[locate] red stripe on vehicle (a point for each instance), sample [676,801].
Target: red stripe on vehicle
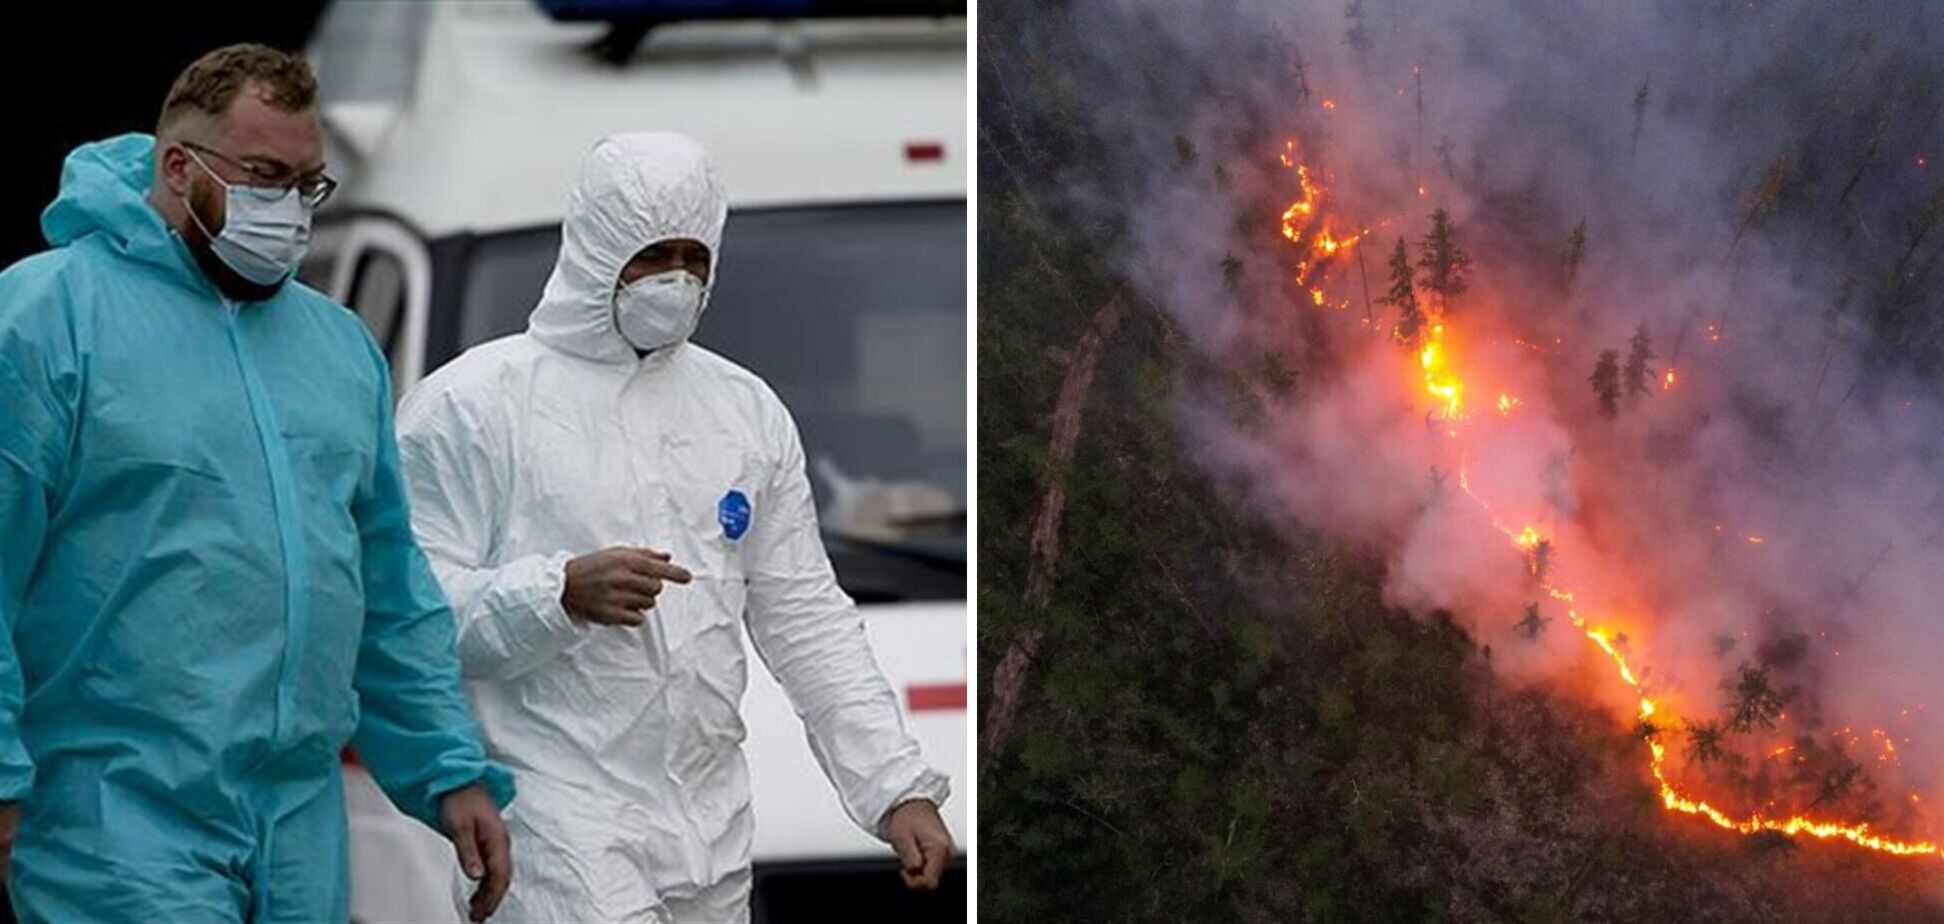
[931,697]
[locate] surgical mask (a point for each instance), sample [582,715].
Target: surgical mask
[655,311]
[266,230]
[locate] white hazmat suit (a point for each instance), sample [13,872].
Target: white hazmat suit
[536,448]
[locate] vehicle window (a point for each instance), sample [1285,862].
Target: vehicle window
[856,316]
[378,296]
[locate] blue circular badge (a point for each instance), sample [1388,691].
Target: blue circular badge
[733,513]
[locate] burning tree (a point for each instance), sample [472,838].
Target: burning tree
[1539,560]
[1606,382]
[1640,349]
[1444,264]
[1403,295]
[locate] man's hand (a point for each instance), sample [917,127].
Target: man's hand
[9,823]
[472,822]
[614,586]
[922,843]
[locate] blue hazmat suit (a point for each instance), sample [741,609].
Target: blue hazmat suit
[208,580]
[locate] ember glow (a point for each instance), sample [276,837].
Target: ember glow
[1651,714]
[1443,387]
[1305,223]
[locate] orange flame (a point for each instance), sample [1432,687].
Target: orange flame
[1329,244]
[1671,798]
[1305,224]
[1438,378]
[1441,382]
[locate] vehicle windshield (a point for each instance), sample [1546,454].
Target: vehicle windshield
[856,316]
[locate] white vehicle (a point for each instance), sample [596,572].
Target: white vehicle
[457,129]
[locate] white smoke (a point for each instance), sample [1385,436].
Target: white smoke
[1773,180]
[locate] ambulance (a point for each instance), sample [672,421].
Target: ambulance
[456,130]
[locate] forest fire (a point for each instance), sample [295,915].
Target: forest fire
[1424,328]
[1533,412]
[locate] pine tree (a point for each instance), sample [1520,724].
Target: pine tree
[1443,262]
[1640,117]
[1764,199]
[1647,730]
[1539,560]
[1279,373]
[1359,36]
[1639,350]
[1836,782]
[1403,295]
[1606,382]
[1533,623]
[1757,703]
[1299,72]
[1704,741]
[1417,95]
[1575,254]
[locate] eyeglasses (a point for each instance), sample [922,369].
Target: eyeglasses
[314,187]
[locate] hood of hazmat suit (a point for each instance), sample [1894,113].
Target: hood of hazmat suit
[536,448]
[208,580]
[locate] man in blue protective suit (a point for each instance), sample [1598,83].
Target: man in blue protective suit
[208,580]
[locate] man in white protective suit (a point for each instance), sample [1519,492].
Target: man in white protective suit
[607,506]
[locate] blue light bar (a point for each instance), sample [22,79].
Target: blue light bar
[666,11]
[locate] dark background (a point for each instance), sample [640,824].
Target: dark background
[86,71]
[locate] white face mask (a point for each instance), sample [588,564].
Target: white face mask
[659,310]
[266,230]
